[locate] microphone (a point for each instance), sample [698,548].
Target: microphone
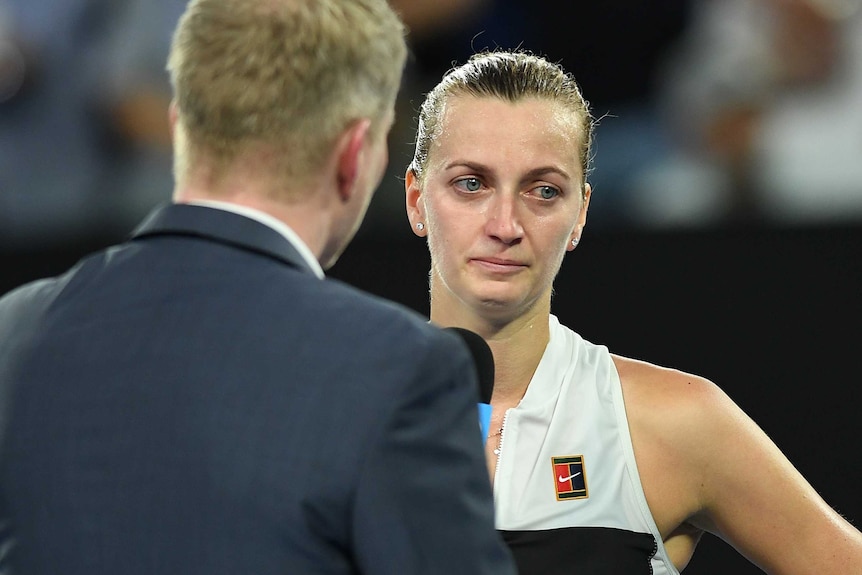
[484,362]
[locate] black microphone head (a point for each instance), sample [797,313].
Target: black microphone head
[482,357]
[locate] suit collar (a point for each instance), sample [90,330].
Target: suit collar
[221,226]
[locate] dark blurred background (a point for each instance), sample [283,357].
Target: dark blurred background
[725,230]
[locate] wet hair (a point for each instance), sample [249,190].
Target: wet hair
[509,76]
[288,74]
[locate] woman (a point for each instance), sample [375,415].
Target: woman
[600,463]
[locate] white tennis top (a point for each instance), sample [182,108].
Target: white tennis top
[566,461]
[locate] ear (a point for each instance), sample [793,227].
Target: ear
[582,219]
[349,150]
[415,203]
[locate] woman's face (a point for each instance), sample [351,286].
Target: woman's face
[501,203]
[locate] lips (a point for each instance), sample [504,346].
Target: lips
[498,265]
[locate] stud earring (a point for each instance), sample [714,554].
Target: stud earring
[574,242]
[420,226]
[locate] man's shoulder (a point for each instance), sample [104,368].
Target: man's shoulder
[29,298]
[357,310]
[23,310]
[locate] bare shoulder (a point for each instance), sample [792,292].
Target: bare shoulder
[682,426]
[674,418]
[670,399]
[705,465]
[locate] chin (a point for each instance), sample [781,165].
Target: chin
[496,301]
[496,293]
[503,303]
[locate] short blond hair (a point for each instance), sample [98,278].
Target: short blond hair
[288,74]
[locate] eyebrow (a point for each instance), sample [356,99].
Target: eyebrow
[531,174]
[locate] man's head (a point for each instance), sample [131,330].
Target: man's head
[283,76]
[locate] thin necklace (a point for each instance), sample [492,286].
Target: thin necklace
[499,442]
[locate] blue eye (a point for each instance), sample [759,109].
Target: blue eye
[469,184]
[547,192]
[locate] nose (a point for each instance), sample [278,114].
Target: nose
[503,218]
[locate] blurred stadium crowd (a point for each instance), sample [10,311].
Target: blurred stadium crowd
[710,112]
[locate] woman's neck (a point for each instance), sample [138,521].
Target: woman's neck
[517,344]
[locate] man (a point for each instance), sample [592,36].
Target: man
[198,399]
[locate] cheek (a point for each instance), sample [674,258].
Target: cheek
[556,249]
[555,232]
[442,224]
[446,239]
[440,241]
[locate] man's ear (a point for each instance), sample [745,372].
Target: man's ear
[349,150]
[415,203]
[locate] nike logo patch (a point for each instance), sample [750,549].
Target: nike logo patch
[570,477]
[562,479]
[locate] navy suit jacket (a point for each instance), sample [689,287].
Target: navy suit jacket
[196,401]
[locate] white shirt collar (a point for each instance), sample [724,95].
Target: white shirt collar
[271,222]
